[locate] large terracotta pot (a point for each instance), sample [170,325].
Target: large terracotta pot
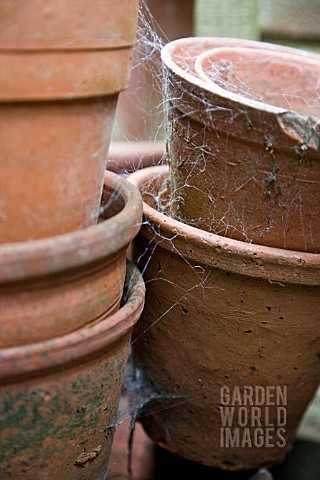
[62,66]
[59,398]
[243,140]
[220,316]
[53,286]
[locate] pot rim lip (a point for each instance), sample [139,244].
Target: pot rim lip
[51,255]
[218,246]
[169,49]
[49,354]
[129,157]
[66,86]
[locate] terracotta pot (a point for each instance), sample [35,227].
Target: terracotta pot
[62,67]
[222,314]
[59,398]
[124,157]
[53,286]
[244,148]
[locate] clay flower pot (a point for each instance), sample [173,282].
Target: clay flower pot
[243,140]
[59,398]
[222,316]
[125,157]
[53,286]
[62,67]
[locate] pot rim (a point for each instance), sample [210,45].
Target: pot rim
[72,24]
[169,50]
[263,52]
[131,156]
[273,264]
[59,253]
[84,342]
[73,74]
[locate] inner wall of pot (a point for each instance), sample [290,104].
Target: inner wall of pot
[264,76]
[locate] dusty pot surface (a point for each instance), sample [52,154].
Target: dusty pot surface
[224,322]
[59,398]
[243,140]
[61,69]
[53,286]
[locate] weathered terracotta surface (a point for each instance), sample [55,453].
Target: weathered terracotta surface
[221,312]
[129,157]
[61,69]
[53,286]
[245,155]
[59,398]
[77,24]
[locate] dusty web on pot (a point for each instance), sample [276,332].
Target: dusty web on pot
[242,132]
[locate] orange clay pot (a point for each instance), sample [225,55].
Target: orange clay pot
[62,66]
[53,286]
[125,157]
[243,140]
[220,314]
[59,398]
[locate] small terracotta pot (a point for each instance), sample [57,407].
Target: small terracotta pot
[53,286]
[59,398]
[124,157]
[243,140]
[61,70]
[222,314]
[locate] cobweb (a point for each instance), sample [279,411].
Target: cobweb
[177,116]
[284,181]
[140,111]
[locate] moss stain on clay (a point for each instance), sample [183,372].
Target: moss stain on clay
[29,417]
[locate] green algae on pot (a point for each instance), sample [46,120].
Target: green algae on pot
[59,398]
[62,66]
[244,141]
[220,314]
[53,286]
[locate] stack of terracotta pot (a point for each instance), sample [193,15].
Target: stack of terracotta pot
[64,333]
[230,250]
